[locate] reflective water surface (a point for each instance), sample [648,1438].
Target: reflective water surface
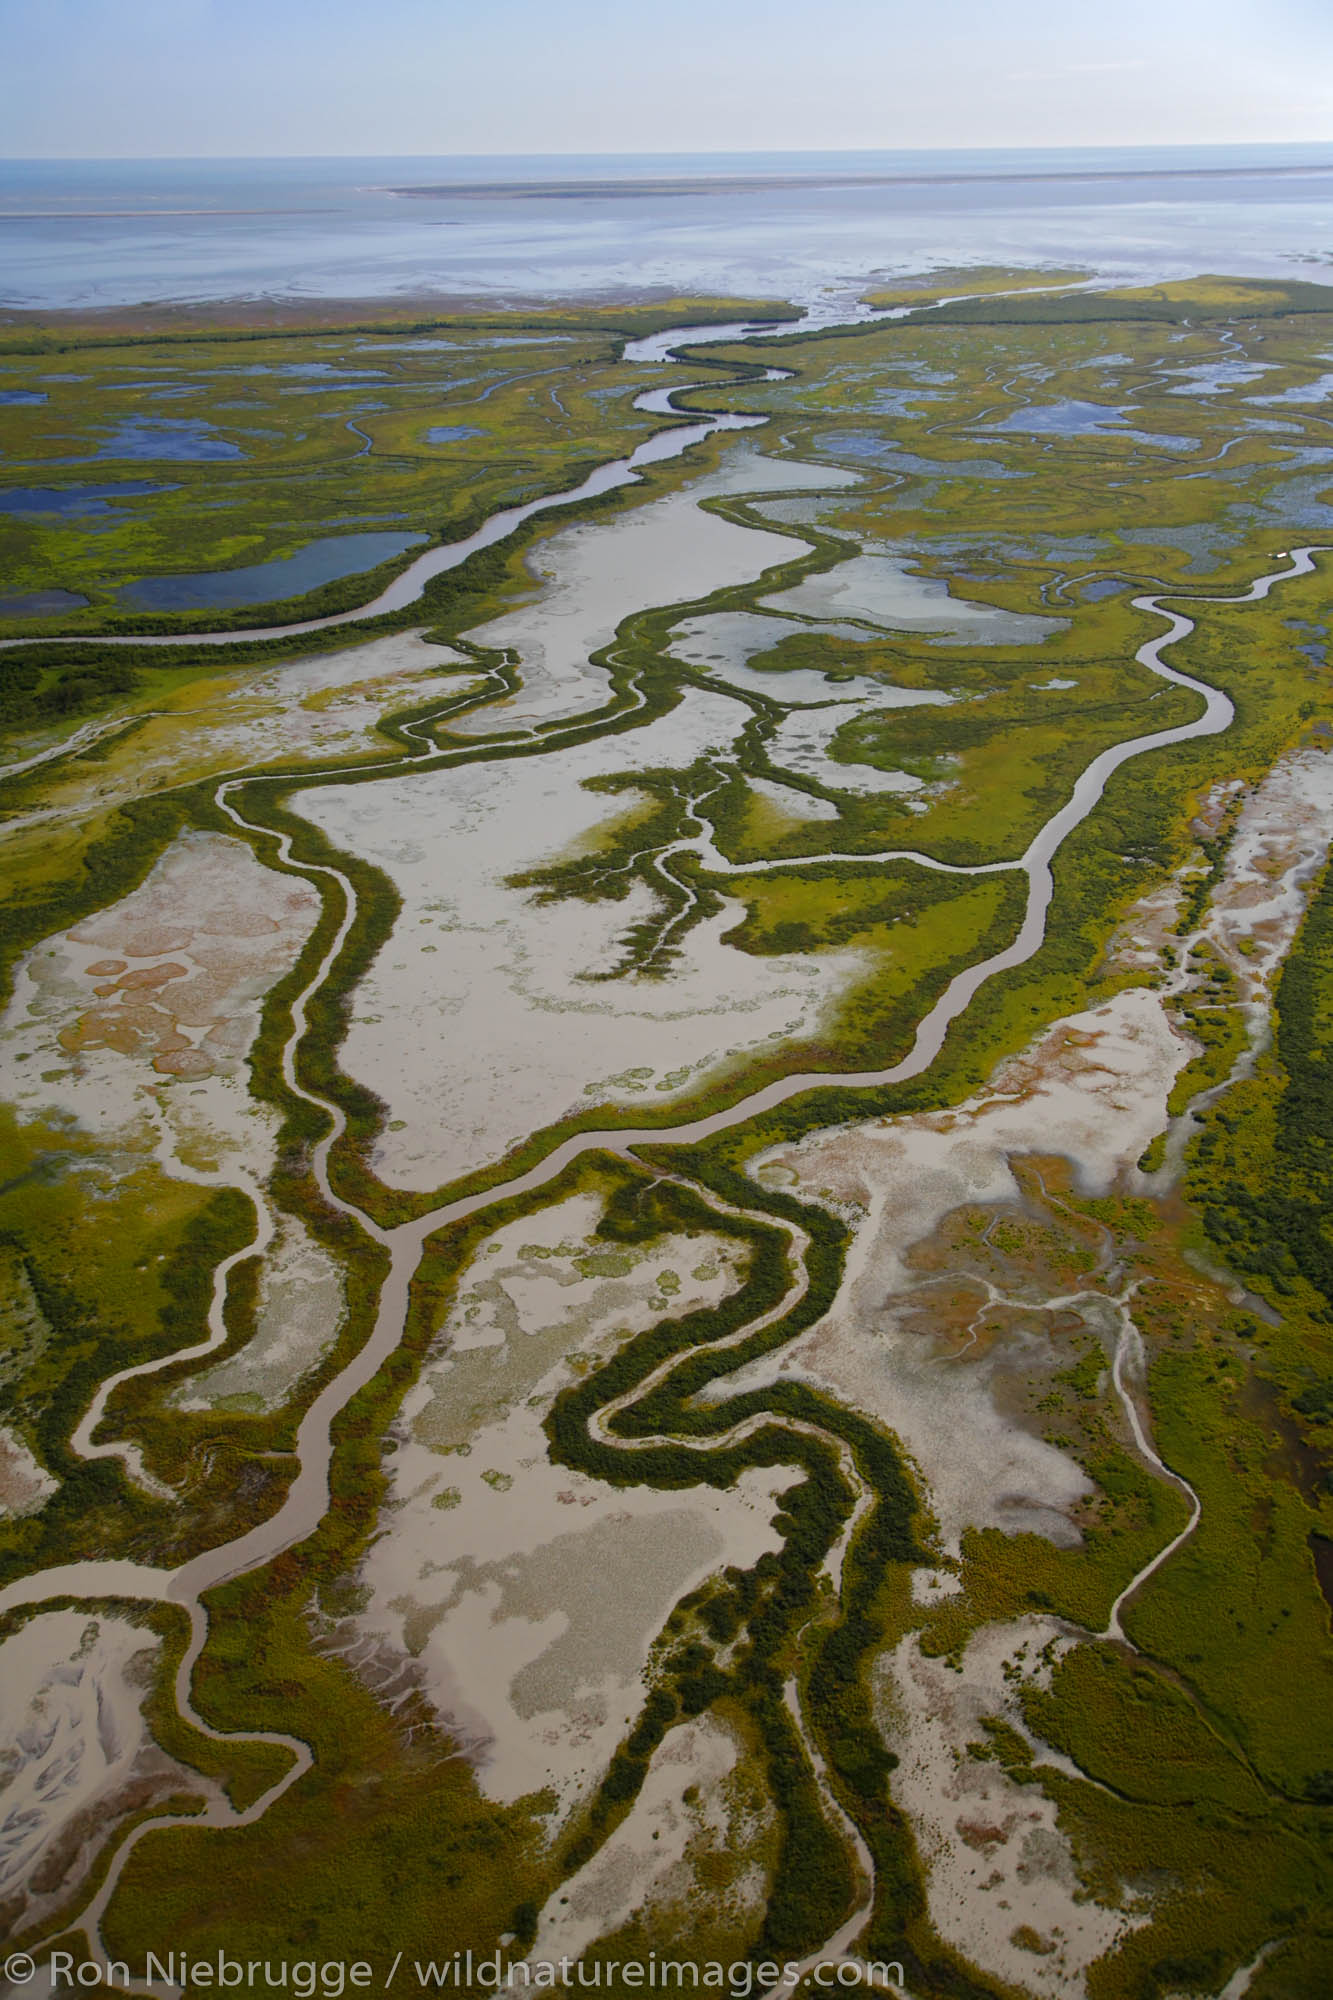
[775,225]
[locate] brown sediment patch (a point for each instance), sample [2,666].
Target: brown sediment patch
[25,1486]
[200,942]
[131,1031]
[528,1032]
[488,1552]
[158,1069]
[1027,1250]
[688,1856]
[530,1643]
[183,1062]
[298,1315]
[138,934]
[999,1871]
[1295,1457]
[1213,807]
[79,1755]
[328,706]
[1279,842]
[970,1286]
[152,976]
[984,1836]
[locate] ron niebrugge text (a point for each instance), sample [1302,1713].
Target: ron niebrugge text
[459,1972]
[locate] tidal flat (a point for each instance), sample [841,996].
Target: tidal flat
[663,1232]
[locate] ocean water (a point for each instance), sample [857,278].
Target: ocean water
[791,225]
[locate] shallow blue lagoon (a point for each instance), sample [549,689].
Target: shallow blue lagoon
[331,383]
[1214,378]
[74,499]
[306,368]
[1317,391]
[159,392]
[1071,418]
[181,438]
[324,561]
[1068,418]
[41,604]
[877,450]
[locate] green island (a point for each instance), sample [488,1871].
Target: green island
[772,1403]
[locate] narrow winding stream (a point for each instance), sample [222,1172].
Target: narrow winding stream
[307,1499]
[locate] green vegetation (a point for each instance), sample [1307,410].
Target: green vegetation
[1210,1780]
[254,440]
[103,1269]
[1211,1015]
[1266,1188]
[1186,300]
[390,1829]
[970,278]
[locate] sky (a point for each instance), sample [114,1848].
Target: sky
[193,78]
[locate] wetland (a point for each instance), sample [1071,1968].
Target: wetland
[664,1232]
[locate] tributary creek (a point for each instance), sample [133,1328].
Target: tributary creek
[307,1498]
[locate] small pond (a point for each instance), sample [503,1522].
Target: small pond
[887,452]
[1213,378]
[74,499]
[162,437]
[324,561]
[41,604]
[324,368]
[1071,418]
[1299,392]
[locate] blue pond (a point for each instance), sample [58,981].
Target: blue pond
[1302,392]
[16,397]
[41,604]
[887,452]
[352,382]
[1071,418]
[343,373]
[899,402]
[451,433]
[323,561]
[161,392]
[74,499]
[1068,418]
[162,437]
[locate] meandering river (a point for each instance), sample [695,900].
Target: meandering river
[307,1498]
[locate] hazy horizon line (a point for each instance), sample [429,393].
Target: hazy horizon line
[693,152]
